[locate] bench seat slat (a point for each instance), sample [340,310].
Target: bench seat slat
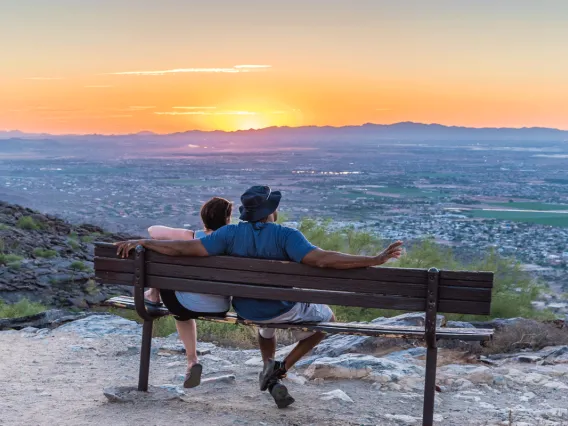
[112,277]
[416,276]
[338,328]
[258,278]
[363,300]
[291,294]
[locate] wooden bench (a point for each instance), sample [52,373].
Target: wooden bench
[420,290]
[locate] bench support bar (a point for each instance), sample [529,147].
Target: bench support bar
[145,356]
[139,281]
[432,350]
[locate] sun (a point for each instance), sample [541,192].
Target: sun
[251,122]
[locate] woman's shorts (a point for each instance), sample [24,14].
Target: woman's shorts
[181,313]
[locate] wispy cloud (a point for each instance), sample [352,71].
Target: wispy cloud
[194,107]
[205,113]
[98,86]
[88,117]
[231,70]
[44,78]
[140,108]
[252,66]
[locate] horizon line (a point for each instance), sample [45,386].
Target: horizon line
[285,127]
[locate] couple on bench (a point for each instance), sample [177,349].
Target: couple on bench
[256,236]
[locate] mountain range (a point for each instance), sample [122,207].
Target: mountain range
[18,144]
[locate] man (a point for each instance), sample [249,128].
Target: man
[259,236]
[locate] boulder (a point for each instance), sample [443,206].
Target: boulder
[47,319]
[161,393]
[356,366]
[458,375]
[340,344]
[336,394]
[407,355]
[411,319]
[102,325]
[459,324]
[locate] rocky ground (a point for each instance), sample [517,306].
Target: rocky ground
[53,259]
[84,371]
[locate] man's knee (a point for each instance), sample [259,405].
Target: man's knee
[267,333]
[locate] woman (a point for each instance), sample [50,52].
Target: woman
[185,306]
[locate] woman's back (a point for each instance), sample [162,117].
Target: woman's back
[203,303]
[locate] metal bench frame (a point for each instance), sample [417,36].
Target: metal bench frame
[429,333]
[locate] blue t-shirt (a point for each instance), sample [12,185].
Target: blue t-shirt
[262,241]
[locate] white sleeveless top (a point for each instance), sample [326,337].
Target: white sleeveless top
[203,302]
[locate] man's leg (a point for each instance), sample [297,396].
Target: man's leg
[313,313]
[302,348]
[273,370]
[267,343]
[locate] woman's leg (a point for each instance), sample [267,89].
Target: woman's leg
[153,295]
[187,331]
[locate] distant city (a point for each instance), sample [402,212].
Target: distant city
[468,194]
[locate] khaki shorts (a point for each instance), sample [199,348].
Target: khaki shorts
[300,313]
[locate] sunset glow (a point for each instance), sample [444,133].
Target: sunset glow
[127,66]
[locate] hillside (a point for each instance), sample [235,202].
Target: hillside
[48,260]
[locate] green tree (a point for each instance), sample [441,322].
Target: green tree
[513,291]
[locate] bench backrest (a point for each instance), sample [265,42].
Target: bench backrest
[460,292]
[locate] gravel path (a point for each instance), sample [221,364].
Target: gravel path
[58,377]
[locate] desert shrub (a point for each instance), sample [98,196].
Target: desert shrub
[9,259]
[20,309]
[74,244]
[513,291]
[79,266]
[91,287]
[28,222]
[529,334]
[40,252]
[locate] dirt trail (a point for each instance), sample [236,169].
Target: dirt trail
[57,378]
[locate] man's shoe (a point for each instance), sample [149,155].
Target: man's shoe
[280,394]
[272,370]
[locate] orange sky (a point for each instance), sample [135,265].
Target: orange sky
[128,65]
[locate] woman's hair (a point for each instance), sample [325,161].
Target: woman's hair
[215,212]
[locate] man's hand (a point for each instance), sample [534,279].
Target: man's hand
[124,247]
[394,251]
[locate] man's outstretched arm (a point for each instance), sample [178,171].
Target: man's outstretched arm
[169,247]
[335,260]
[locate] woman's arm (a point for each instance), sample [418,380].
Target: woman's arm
[158,232]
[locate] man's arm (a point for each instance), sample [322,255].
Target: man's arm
[169,247]
[335,260]
[158,232]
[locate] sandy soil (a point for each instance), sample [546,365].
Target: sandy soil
[58,379]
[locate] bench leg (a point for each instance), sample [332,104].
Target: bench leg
[145,355]
[430,386]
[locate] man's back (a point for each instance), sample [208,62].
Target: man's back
[262,241]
